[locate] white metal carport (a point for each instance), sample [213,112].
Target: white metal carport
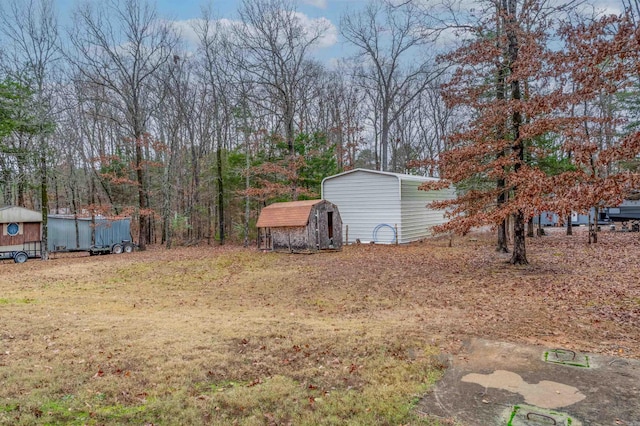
[384,207]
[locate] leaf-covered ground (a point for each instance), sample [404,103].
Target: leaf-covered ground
[572,294]
[218,333]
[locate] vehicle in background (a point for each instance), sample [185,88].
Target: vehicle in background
[21,234]
[94,235]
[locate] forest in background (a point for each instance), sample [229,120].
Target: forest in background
[525,106]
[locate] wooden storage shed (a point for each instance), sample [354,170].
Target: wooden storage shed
[384,207]
[300,227]
[21,233]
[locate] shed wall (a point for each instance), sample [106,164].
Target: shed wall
[29,232]
[326,239]
[417,219]
[294,239]
[365,200]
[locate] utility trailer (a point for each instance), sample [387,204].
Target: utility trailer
[93,235]
[20,233]
[628,210]
[626,214]
[20,253]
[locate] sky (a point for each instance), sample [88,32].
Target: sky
[182,11]
[332,47]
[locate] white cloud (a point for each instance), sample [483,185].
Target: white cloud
[329,36]
[320,4]
[607,8]
[186,29]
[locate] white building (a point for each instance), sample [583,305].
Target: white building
[384,207]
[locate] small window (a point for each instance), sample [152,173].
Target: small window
[13,229]
[330,223]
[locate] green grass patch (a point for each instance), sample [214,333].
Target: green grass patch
[383,390]
[7,408]
[122,413]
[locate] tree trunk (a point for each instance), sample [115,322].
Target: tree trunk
[502,238]
[569,225]
[290,136]
[220,185]
[21,184]
[501,182]
[540,231]
[44,250]
[530,232]
[519,256]
[593,227]
[143,232]
[384,140]
[247,178]
[167,199]
[56,193]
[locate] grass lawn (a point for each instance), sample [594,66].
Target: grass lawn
[235,336]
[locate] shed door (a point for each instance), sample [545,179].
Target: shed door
[324,227]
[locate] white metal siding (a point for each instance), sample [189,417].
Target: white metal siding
[368,199]
[417,219]
[11,214]
[365,200]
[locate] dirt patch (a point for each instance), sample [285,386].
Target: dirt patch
[545,394]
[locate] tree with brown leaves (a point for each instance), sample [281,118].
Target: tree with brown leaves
[532,96]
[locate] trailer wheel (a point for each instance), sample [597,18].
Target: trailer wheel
[116,248]
[128,247]
[20,257]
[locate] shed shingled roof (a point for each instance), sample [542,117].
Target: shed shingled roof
[293,213]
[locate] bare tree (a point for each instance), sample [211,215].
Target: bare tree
[275,45]
[30,28]
[387,36]
[217,78]
[120,45]
[435,121]
[177,98]
[346,112]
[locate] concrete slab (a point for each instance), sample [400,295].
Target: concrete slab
[498,383]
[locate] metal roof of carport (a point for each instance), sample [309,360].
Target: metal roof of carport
[400,176]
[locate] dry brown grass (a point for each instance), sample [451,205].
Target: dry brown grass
[197,336]
[224,336]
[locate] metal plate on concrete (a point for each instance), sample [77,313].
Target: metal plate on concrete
[527,415]
[566,357]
